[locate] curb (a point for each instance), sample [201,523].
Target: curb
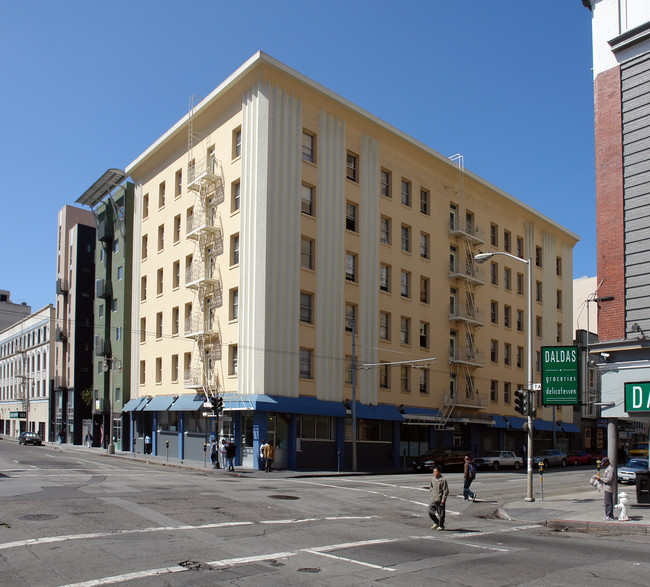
[615,528]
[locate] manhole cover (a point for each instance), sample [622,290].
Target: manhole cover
[283,497]
[38,517]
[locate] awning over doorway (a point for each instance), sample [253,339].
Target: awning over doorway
[187,403]
[134,404]
[160,403]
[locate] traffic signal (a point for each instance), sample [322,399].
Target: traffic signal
[220,405]
[521,402]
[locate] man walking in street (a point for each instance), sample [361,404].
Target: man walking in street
[269,455]
[607,479]
[439,493]
[469,474]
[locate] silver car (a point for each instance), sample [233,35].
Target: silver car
[627,473]
[551,458]
[497,459]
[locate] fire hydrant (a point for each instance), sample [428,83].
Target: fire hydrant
[621,507]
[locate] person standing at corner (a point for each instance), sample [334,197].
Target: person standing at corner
[222,450]
[214,453]
[231,451]
[147,445]
[607,479]
[439,493]
[262,459]
[269,455]
[469,474]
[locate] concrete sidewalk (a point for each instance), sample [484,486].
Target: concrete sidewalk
[578,512]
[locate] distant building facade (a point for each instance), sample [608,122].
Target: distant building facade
[621,67]
[27,374]
[11,313]
[291,250]
[75,284]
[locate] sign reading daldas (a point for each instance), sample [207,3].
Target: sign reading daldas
[559,375]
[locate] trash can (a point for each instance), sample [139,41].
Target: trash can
[643,487]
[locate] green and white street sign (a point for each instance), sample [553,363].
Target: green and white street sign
[637,397]
[559,375]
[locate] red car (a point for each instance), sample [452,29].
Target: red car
[579,457]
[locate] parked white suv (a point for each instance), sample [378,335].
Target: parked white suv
[496,459]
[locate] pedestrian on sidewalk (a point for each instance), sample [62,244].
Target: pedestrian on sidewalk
[607,479]
[231,451]
[88,440]
[469,474]
[147,445]
[262,461]
[269,455]
[222,450]
[439,493]
[214,453]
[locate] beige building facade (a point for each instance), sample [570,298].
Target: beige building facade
[287,244]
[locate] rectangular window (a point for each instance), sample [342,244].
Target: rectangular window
[424,245]
[384,325]
[305,363]
[507,241]
[494,351]
[308,147]
[520,357]
[494,274]
[234,249]
[424,201]
[494,235]
[145,206]
[307,195]
[538,326]
[384,278]
[385,183]
[384,230]
[506,392]
[159,325]
[424,289]
[350,317]
[188,317]
[558,266]
[351,211]
[384,376]
[178,182]
[520,284]
[158,369]
[404,330]
[143,288]
[494,390]
[120,273]
[424,380]
[507,353]
[142,372]
[405,378]
[161,237]
[406,192]
[558,333]
[538,256]
[352,167]
[405,284]
[406,238]
[306,307]
[233,356]
[177,228]
[520,320]
[558,299]
[161,195]
[145,244]
[175,320]
[143,329]
[350,267]
[234,304]
[507,279]
[176,274]
[424,335]
[538,291]
[520,247]
[159,281]
[174,369]
[348,370]
[307,253]
[507,316]
[235,195]
[118,333]
[494,312]
[236,143]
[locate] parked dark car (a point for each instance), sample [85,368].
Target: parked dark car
[445,457]
[30,438]
[579,457]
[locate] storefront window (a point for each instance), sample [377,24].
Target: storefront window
[168,421]
[195,423]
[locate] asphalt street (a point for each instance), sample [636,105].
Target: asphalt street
[76,518]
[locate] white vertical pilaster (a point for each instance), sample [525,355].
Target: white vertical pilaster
[549,290]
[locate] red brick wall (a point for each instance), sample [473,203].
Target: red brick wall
[609,204]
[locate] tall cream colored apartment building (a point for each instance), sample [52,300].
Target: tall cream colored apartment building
[278,219]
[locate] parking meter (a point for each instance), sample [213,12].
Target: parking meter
[598,464]
[205,448]
[167,449]
[541,478]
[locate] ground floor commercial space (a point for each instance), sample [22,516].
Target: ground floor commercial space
[309,434]
[17,417]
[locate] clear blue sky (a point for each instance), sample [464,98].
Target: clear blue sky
[88,85]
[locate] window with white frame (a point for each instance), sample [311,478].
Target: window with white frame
[307,197]
[305,363]
[306,301]
[350,267]
[306,253]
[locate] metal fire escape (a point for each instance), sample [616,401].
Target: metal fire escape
[203,276]
[464,316]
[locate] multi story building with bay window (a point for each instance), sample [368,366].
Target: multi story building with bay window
[293,251]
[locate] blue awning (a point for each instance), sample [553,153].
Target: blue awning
[499,422]
[570,428]
[159,403]
[381,412]
[135,404]
[544,426]
[516,423]
[187,403]
[287,405]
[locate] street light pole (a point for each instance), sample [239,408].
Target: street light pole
[481,258]
[111,363]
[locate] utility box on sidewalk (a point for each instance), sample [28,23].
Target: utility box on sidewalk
[643,487]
